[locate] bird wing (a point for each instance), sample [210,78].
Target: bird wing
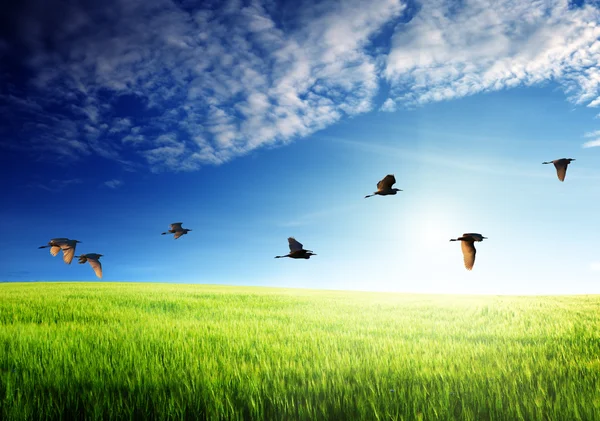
[176,226]
[54,250]
[96,265]
[387,182]
[469,251]
[178,234]
[294,245]
[561,169]
[68,253]
[475,236]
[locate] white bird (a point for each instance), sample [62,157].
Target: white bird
[468,248]
[177,230]
[297,250]
[384,187]
[561,166]
[94,260]
[64,244]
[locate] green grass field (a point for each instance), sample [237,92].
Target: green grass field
[160,351]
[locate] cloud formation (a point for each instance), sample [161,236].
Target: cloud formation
[56,185]
[113,184]
[592,143]
[212,83]
[450,50]
[162,84]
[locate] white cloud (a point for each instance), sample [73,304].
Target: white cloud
[389,105]
[450,49]
[591,143]
[595,133]
[113,184]
[224,81]
[56,185]
[595,266]
[231,75]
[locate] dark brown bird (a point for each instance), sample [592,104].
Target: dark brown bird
[64,244]
[561,166]
[297,250]
[177,230]
[94,261]
[384,187]
[468,247]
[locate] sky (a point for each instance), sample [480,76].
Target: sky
[252,121]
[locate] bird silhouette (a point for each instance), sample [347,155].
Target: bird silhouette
[297,250]
[94,261]
[384,187]
[561,166]
[468,248]
[64,244]
[177,230]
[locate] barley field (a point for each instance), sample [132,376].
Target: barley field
[165,351]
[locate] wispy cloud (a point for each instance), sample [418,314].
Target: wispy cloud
[595,133]
[56,185]
[389,105]
[451,49]
[113,184]
[224,80]
[220,82]
[591,143]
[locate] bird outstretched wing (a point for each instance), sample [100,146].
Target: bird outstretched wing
[54,250]
[387,182]
[561,169]
[176,226]
[68,253]
[474,236]
[469,251]
[178,234]
[294,245]
[96,265]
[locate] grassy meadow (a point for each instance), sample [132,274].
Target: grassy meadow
[164,351]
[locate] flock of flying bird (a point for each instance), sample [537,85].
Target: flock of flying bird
[297,251]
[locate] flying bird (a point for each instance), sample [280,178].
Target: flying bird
[94,260]
[297,250]
[177,230]
[468,248]
[561,166]
[384,187]
[64,244]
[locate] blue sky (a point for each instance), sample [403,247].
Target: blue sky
[254,121]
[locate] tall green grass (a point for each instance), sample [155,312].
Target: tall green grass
[159,351]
